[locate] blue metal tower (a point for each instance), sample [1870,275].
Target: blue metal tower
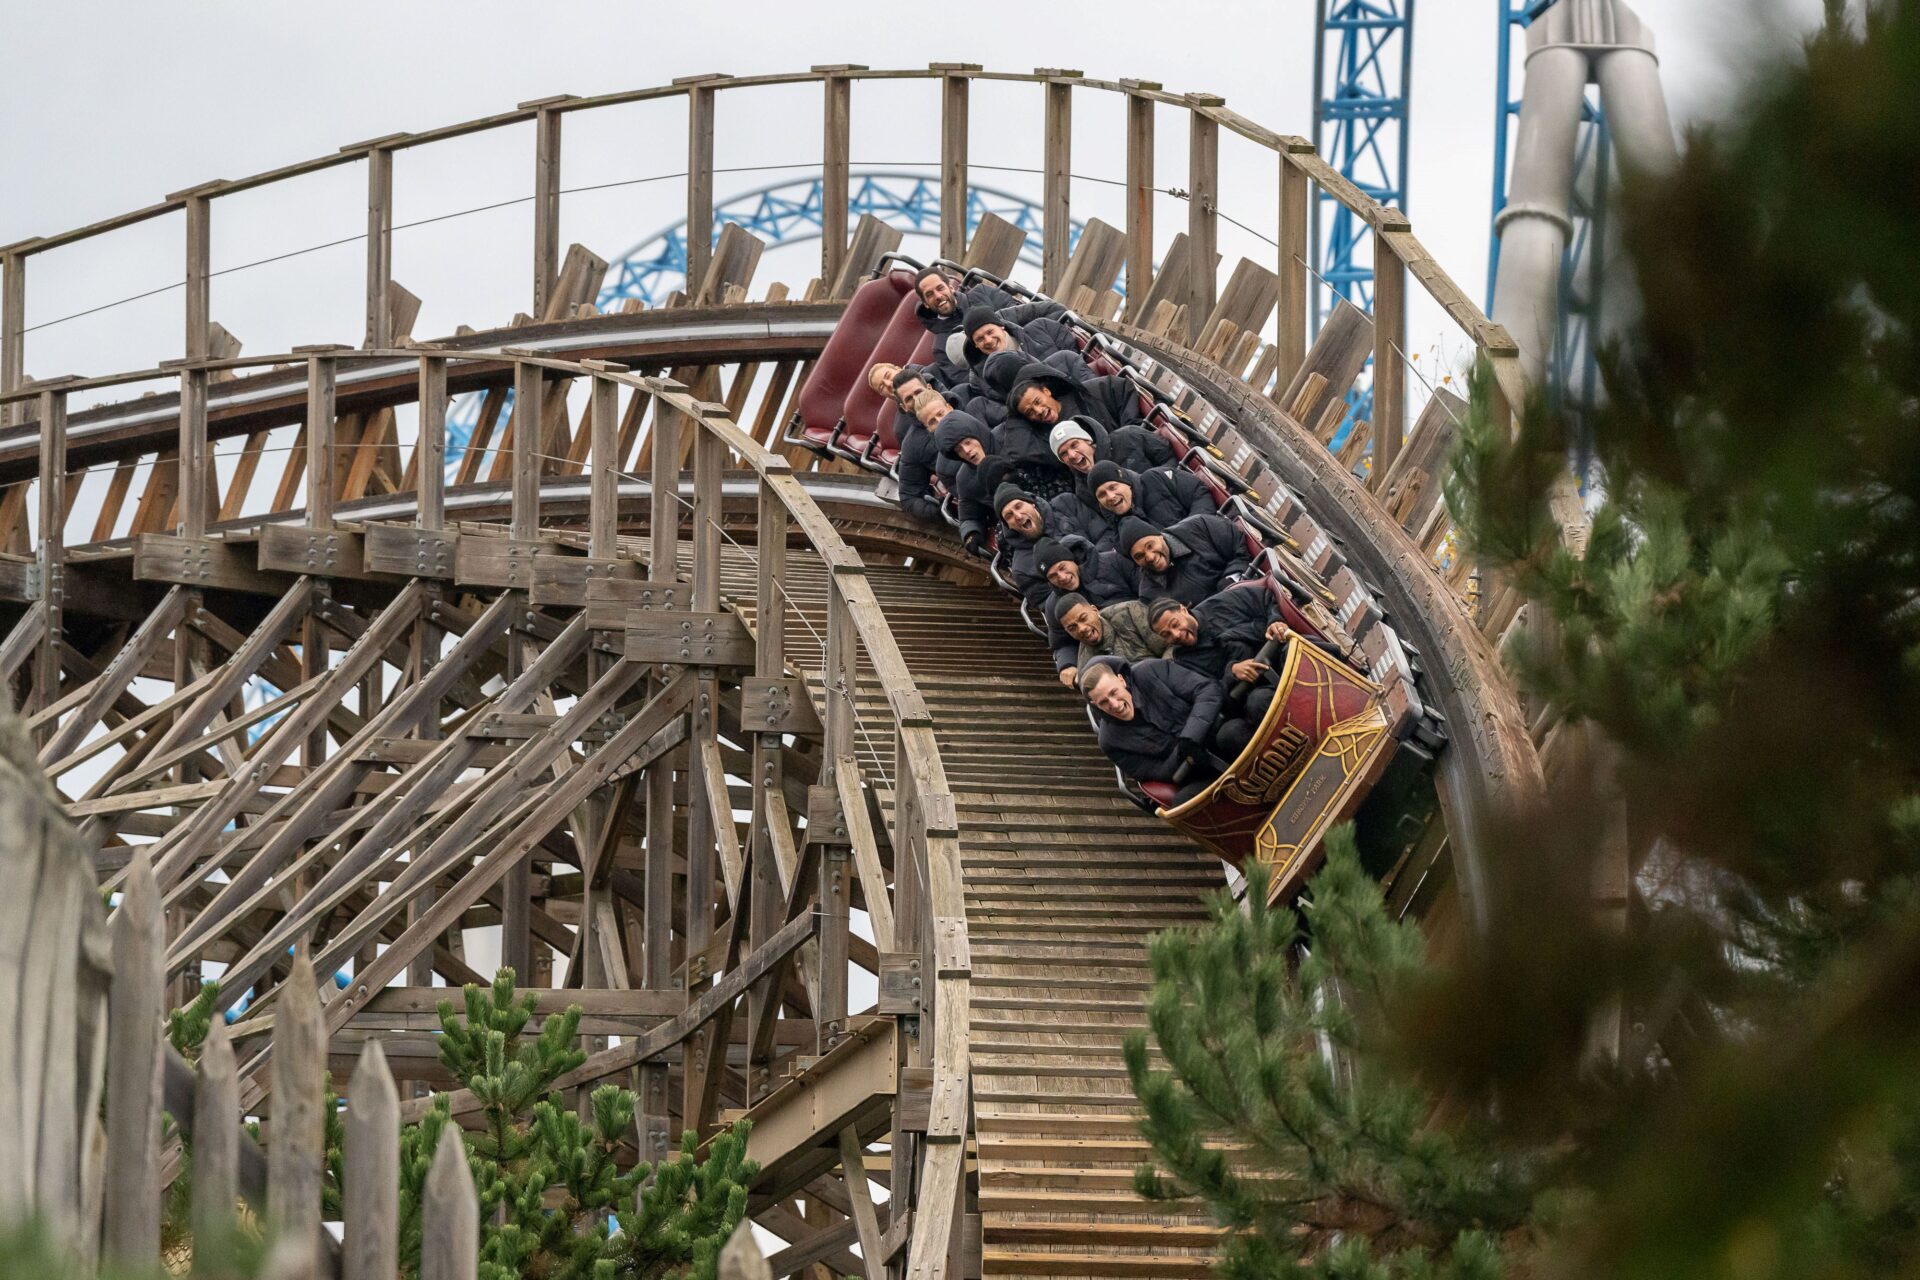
[1572,372]
[1362,69]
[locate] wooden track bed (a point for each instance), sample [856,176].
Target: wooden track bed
[1066,881]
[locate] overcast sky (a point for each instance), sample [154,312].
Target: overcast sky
[109,106]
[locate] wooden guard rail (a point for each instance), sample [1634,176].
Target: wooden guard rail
[1301,174]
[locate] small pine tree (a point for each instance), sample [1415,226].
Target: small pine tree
[549,1182]
[1272,1113]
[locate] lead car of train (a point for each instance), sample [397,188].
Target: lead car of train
[1346,732]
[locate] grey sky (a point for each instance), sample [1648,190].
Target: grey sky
[110,105]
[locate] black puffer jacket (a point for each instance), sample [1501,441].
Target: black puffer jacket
[1036,339]
[1060,516]
[1162,497]
[964,300]
[948,374]
[1135,447]
[1233,627]
[972,494]
[1206,553]
[1170,704]
[1110,401]
[916,468]
[1106,578]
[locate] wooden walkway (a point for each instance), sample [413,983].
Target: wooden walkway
[1066,880]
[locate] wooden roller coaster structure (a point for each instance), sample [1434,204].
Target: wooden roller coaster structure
[667,702]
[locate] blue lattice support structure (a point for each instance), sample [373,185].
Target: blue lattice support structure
[1572,371]
[1362,68]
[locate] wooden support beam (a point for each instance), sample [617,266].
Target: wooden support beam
[13,330]
[546,206]
[955,91]
[1291,340]
[1057,182]
[1140,194]
[380,331]
[430,448]
[1389,360]
[322,375]
[529,390]
[1203,220]
[603,516]
[199,278]
[52,556]
[196,463]
[699,178]
[835,195]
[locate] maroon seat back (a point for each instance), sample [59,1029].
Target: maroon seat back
[843,361]
[895,345]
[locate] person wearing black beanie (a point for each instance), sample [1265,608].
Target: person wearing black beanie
[1133,530]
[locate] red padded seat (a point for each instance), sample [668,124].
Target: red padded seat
[843,361]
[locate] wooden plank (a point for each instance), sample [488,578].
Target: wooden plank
[866,851]
[996,245]
[305,549]
[430,448]
[736,257]
[295,1151]
[1252,292]
[872,238]
[137,1005]
[1337,357]
[675,636]
[216,1139]
[853,1163]
[1097,259]
[203,562]
[371,1214]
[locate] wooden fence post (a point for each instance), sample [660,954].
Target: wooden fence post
[216,1140]
[297,1127]
[449,1214]
[741,1259]
[371,1211]
[135,1008]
